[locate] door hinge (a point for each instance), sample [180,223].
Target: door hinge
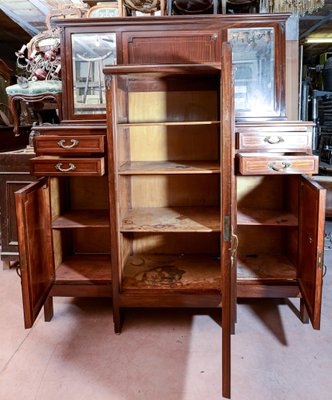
[227,228]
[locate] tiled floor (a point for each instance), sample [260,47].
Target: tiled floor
[162,354]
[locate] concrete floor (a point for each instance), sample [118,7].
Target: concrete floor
[162,355]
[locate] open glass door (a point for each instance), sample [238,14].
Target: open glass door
[35,247]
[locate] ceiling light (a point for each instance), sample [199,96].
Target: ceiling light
[318,40]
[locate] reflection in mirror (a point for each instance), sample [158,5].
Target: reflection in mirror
[91,52]
[253,57]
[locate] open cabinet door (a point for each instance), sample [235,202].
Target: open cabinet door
[35,247]
[227,186]
[311,240]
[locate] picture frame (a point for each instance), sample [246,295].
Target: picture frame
[106,10]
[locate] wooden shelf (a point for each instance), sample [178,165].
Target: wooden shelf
[172,272]
[250,216]
[85,269]
[169,167]
[82,219]
[167,123]
[253,268]
[171,219]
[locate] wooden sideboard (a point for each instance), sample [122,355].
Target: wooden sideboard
[14,174]
[170,203]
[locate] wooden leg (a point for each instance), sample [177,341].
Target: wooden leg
[6,264]
[58,99]
[303,312]
[223,6]
[117,319]
[13,111]
[48,309]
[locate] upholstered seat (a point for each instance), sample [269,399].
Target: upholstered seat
[35,88]
[37,91]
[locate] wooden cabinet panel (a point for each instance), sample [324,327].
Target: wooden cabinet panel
[69,145]
[35,242]
[268,164]
[312,210]
[178,46]
[8,218]
[14,174]
[47,166]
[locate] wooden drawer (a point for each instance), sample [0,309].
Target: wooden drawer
[267,164]
[274,141]
[70,144]
[58,166]
[70,130]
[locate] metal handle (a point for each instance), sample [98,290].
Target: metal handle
[74,143]
[285,165]
[236,242]
[71,167]
[274,139]
[18,270]
[235,246]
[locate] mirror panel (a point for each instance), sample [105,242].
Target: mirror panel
[253,58]
[91,52]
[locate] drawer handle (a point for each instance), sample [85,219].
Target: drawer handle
[274,139]
[285,165]
[62,143]
[71,167]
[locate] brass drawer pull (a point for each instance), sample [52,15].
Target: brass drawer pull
[274,139]
[285,165]
[74,143]
[71,167]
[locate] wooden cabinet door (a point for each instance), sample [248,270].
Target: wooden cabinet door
[35,247]
[311,240]
[171,46]
[227,185]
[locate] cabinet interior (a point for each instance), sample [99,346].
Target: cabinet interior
[268,228]
[167,136]
[80,229]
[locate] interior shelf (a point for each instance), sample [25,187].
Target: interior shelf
[82,219]
[86,269]
[172,272]
[169,167]
[252,268]
[171,219]
[167,123]
[250,216]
